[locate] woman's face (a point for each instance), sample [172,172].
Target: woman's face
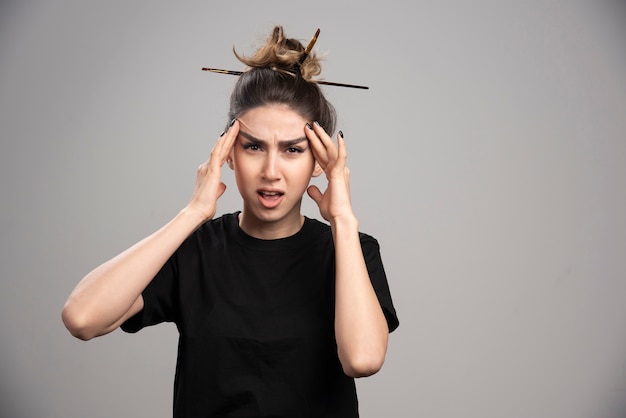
[273,165]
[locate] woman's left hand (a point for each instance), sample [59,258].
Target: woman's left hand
[334,203]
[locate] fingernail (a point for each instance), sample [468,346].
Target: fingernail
[308,125]
[222,134]
[232,122]
[341,134]
[317,123]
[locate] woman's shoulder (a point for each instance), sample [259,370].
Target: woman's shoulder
[322,229]
[214,230]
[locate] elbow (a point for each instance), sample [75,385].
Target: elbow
[362,365]
[76,323]
[362,357]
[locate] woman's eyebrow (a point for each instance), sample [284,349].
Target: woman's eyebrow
[284,143]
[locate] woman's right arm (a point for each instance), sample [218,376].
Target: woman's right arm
[111,293]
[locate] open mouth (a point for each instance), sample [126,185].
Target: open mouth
[270,195]
[270,199]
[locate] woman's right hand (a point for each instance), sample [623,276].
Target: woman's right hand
[209,186]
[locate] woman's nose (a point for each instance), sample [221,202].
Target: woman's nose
[271,169]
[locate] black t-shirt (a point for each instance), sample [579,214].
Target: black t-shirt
[256,322]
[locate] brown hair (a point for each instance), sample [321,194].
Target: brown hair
[281,73]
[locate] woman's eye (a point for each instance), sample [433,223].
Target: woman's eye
[294,150]
[253,147]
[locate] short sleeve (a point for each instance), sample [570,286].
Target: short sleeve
[159,300]
[374,263]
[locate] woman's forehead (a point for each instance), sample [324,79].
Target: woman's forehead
[273,122]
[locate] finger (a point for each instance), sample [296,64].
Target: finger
[231,134]
[317,147]
[342,153]
[326,140]
[324,149]
[224,144]
[221,188]
[315,194]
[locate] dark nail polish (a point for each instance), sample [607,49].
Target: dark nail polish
[341,134]
[222,134]
[317,123]
[308,125]
[232,122]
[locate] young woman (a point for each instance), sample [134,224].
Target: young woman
[277,312]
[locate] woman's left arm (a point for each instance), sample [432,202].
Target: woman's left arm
[360,326]
[361,329]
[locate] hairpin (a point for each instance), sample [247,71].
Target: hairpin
[309,47]
[307,51]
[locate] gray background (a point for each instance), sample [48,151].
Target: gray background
[488,158]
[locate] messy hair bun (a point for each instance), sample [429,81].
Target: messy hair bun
[283,54]
[280,72]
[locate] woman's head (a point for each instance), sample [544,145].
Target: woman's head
[276,76]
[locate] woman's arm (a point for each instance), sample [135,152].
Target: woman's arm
[360,326]
[361,329]
[111,293]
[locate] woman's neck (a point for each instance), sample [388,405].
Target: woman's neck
[260,229]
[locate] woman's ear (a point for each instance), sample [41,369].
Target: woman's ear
[317,170]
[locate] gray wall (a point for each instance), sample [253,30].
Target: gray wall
[488,158]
